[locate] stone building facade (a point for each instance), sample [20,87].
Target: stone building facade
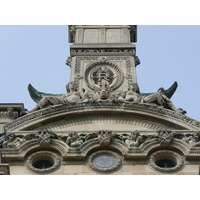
[103,124]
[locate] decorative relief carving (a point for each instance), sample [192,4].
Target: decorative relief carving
[72,31]
[45,136]
[105,136]
[10,113]
[13,141]
[105,50]
[74,140]
[108,104]
[103,75]
[103,60]
[192,139]
[133,140]
[164,136]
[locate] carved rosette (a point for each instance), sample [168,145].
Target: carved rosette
[104,161]
[166,154]
[43,155]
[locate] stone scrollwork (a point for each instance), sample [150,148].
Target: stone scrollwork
[45,136]
[102,50]
[75,139]
[105,136]
[164,136]
[104,161]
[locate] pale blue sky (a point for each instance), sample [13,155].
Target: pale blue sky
[37,55]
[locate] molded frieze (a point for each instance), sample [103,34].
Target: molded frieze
[177,119]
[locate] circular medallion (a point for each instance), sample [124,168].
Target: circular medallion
[99,74]
[104,161]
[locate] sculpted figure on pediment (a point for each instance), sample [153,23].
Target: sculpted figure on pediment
[73,139]
[193,140]
[158,98]
[134,140]
[12,141]
[71,97]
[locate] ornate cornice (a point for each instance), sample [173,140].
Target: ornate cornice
[10,114]
[159,114]
[99,51]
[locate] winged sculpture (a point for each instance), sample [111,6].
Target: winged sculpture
[37,95]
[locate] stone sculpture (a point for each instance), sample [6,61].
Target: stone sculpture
[135,140]
[193,140]
[45,136]
[71,97]
[164,136]
[73,139]
[105,136]
[158,98]
[13,141]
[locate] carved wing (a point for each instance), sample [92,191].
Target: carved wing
[169,92]
[37,96]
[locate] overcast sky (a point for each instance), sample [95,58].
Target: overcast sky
[37,55]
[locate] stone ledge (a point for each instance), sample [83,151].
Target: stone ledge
[107,107]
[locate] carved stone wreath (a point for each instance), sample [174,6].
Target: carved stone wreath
[166,154]
[115,72]
[40,155]
[104,161]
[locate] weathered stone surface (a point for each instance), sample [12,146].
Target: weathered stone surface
[103,124]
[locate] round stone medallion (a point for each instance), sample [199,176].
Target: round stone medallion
[109,74]
[104,161]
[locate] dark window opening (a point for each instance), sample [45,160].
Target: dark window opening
[43,164]
[165,163]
